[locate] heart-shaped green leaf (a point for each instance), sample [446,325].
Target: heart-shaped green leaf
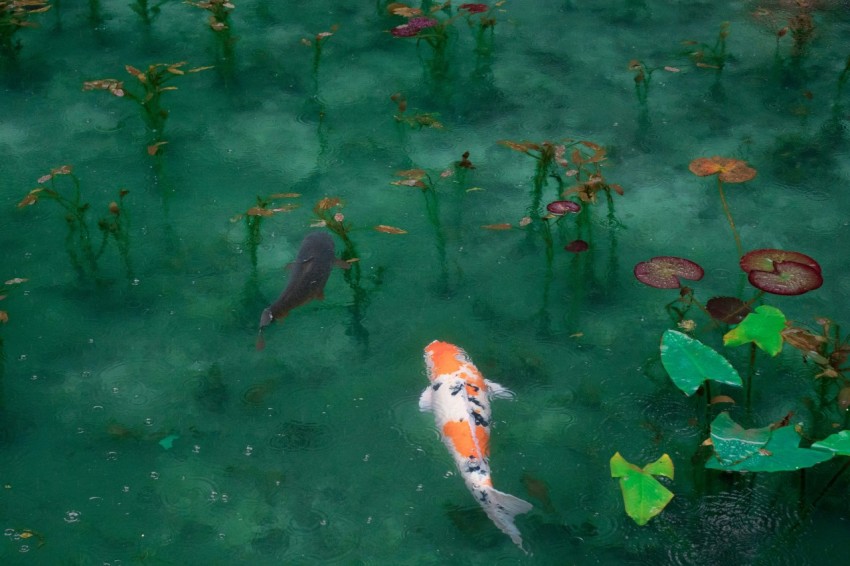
[763,327]
[689,362]
[643,495]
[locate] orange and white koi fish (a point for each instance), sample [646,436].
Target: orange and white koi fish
[459,397]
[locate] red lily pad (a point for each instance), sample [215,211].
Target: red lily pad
[787,278]
[765,260]
[729,170]
[663,272]
[561,207]
[730,310]
[577,246]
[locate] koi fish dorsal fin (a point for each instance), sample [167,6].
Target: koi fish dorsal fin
[497,391]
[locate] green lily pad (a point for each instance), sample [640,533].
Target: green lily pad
[763,327]
[744,450]
[643,495]
[689,362]
[838,443]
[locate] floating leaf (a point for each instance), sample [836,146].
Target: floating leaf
[503,226]
[663,272]
[4,317]
[730,310]
[15,281]
[412,173]
[722,399]
[389,229]
[838,443]
[787,278]
[730,170]
[643,495]
[561,207]
[284,195]
[763,327]
[689,362]
[745,450]
[733,443]
[765,259]
[524,147]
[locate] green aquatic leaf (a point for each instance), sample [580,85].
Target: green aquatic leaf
[643,495]
[689,362]
[763,327]
[733,443]
[838,443]
[759,450]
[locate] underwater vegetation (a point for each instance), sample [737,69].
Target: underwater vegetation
[593,272]
[83,249]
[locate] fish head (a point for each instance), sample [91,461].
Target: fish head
[442,358]
[266,317]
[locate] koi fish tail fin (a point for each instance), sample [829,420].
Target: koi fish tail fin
[502,508]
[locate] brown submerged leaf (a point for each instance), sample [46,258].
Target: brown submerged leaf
[389,229]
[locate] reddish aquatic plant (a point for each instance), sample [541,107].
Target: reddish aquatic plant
[728,170]
[474,8]
[577,246]
[730,310]
[562,207]
[663,272]
[781,272]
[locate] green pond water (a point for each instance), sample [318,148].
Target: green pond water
[140,425]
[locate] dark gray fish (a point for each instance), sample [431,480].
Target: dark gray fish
[308,276]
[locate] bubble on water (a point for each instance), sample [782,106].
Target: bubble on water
[72,516]
[148,421]
[126,489]
[22,358]
[111,456]
[134,282]
[248,450]
[154,475]
[196,449]
[24,548]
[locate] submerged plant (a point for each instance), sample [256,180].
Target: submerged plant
[254,216]
[416,120]
[153,82]
[219,23]
[728,170]
[15,15]
[710,56]
[317,43]
[147,10]
[83,251]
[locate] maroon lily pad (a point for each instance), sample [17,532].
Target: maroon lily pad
[562,207]
[787,278]
[663,272]
[730,310]
[577,246]
[765,259]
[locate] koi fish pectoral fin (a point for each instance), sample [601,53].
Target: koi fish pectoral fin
[426,400]
[497,391]
[342,264]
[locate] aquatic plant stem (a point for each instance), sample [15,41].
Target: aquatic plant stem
[751,372]
[729,217]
